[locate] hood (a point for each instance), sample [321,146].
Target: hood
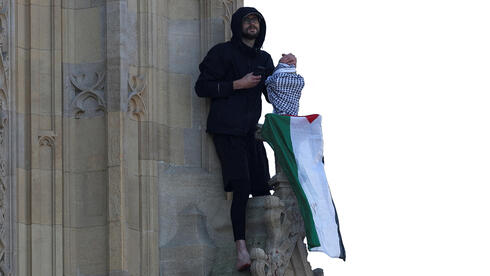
[236,27]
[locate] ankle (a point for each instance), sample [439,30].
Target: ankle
[241,246]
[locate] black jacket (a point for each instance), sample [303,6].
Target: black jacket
[234,112]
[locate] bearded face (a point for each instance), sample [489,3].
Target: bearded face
[250,27]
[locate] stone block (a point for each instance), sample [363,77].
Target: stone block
[191,240]
[134,251]
[183,9]
[82,4]
[184,46]
[84,35]
[192,147]
[24,75]
[218,35]
[46,96]
[131,146]
[42,249]
[147,141]
[87,193]
[116,244]
[132,37]
[176,146]
[149,168]
[162,39]
[179,187]
[150,254]
[163,136]
[23,246]
[22,200]
[21,155]
[87,145]
[133,201]
[46,21]
[179,110]
[58,197]
[91,250]
[42,197]
[161,92]
[40,28]
[133,6]
[22,14]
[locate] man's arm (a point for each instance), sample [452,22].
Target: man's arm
[211,81]
[269,68]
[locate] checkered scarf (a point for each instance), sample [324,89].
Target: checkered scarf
[284,89]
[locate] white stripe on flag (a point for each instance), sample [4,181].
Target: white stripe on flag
[307,141]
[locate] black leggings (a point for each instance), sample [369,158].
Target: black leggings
[245,171]
[241,191]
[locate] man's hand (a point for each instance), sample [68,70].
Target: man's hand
[248,81]
[288,59]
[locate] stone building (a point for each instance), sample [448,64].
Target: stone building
[105,166]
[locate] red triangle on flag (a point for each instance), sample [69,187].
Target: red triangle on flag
[311,117]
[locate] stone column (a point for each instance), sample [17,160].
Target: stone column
[84,138]
[136,57]
[39,117]
[7,142]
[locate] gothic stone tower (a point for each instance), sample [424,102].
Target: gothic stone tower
[105,166]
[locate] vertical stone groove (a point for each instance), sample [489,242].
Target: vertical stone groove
[6,190]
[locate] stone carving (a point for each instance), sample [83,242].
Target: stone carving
[46,141]
[4,31]
[89,95]
[285,231]
[5,208]
[136,104]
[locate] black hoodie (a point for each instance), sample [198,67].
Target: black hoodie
[234,112]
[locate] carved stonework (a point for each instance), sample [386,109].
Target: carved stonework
[136,104]
[284,229]
[5,185]
[285,233]
[89,95]
[46,141]
[4,32]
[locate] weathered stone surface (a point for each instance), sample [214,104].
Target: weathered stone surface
[85,34]
[183,46]
[103,147]
[284,252]
[192,241]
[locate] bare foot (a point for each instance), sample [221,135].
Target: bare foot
[243,258]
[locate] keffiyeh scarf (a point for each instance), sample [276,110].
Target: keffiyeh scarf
[284,89]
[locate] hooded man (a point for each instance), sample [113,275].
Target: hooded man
[233,75]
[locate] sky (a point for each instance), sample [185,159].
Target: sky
[404,91]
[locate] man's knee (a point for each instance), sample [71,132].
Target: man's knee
[241,187]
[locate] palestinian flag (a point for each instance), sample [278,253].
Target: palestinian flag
[298,145]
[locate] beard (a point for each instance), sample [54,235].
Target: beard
[247,35]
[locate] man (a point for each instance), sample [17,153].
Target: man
[232,75]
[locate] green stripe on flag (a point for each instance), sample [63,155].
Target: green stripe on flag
[277,133]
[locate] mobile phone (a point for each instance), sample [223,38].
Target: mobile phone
[259,71]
